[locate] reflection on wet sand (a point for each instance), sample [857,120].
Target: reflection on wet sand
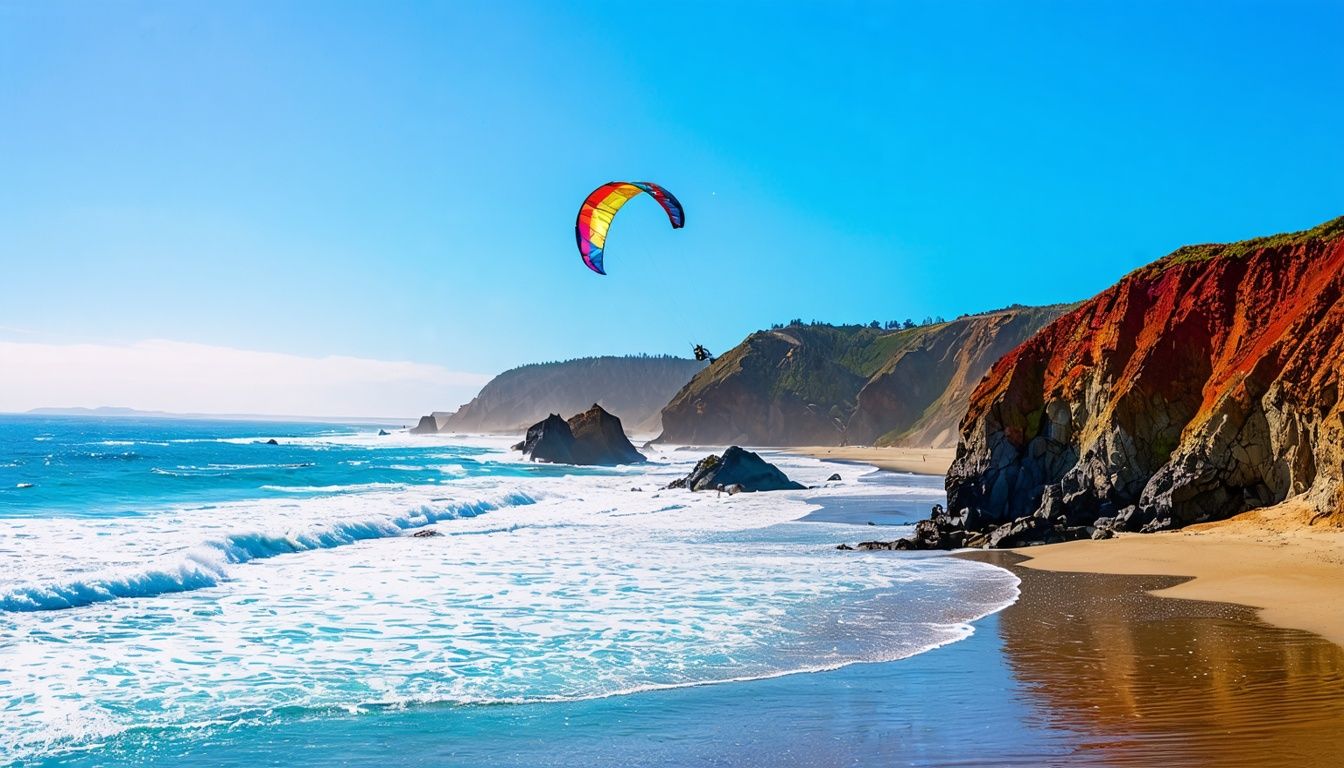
[1146,680]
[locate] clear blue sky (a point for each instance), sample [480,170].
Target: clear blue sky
[399,181]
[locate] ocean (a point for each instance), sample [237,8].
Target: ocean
[185,592]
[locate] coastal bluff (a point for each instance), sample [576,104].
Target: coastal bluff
[1201,386]
[826,385]
[634,387]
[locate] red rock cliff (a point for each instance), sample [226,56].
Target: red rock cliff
[1198,387]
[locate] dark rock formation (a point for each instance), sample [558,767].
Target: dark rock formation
[1199,387]
[383,433]
[426,533]
[599,439]
[946,531]
[736,467]
[831,385]
[549,440]
[427,426]
[869,546]
[835,478]
[593,437]
[272,441]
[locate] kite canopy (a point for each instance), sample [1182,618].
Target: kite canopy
[600,208]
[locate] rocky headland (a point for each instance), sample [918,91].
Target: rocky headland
[635,387]
[825,385]
[1199,387]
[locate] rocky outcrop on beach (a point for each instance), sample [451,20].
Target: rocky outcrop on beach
[736,471]
[593,437]
[818,384]
[1201,386]
[635,388]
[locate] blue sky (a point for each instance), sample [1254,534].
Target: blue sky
[400,182]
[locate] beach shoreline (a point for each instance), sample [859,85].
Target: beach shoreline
[1292,574]
[1272,560]
[916,461]
[1141,679]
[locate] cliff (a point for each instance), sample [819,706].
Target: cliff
[1196,388]
[834,385]
[919,396]
[633,388]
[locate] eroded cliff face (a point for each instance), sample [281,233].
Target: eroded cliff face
[835,385]
[920,395]
[784,387]
[1194,389]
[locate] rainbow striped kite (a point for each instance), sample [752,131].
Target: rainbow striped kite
[600,208]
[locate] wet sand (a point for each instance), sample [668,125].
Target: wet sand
[1084,670]
[919,461]
[1146,680]
[1268,559]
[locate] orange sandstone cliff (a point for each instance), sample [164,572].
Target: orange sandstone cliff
[1196,388]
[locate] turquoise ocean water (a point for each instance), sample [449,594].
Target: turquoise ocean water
[179,592]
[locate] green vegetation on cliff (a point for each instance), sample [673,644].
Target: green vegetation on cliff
[827,384]
[1325,232]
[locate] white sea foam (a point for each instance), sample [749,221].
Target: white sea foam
[569,587]
[207,563]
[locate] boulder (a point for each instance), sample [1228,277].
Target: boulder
[383,433]
[835,478]
[426,533]
[880,545]
[736,467]
[272,441]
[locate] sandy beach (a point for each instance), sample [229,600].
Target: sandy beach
[1272,560]
[919,461]
[1269,559]
[1144,680]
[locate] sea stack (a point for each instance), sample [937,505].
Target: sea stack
[593,437]
[427,426]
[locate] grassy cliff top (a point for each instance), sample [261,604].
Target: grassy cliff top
[1189,254]
[819,362]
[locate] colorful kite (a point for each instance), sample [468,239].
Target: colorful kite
[601,206]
